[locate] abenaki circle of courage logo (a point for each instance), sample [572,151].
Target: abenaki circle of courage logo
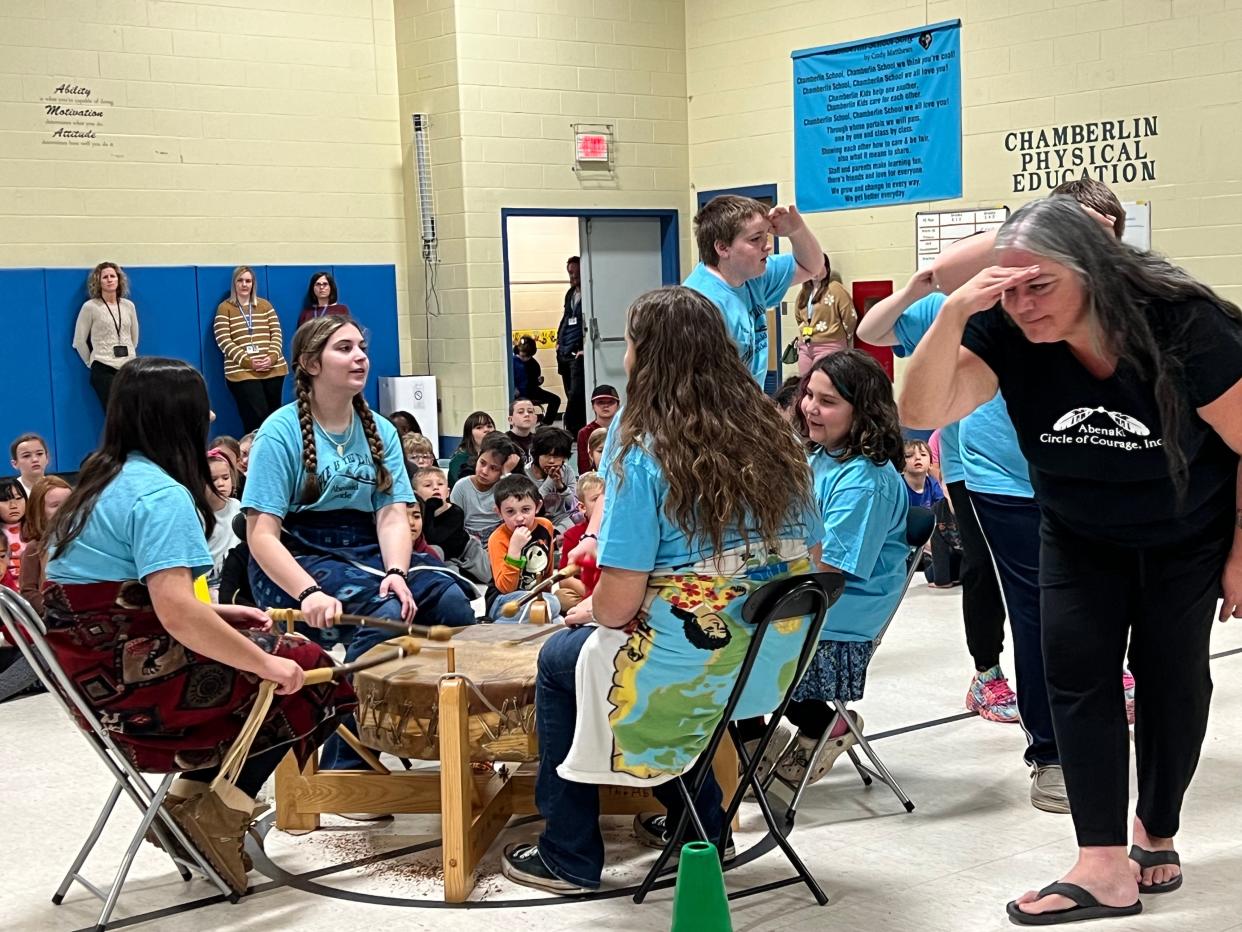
[1100,427]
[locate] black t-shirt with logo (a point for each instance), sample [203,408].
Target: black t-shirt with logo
[1095,446]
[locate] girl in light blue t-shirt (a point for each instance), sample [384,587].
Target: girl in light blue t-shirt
[325,498]
[848,413]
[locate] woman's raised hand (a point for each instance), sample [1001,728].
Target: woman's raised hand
[986,288]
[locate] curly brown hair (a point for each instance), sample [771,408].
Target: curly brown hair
[730,460]
[93,288]
[308,345]
[876,430]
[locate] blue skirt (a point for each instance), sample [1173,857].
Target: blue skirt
[837,671]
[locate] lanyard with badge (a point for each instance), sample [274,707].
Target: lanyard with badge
[252,349]
[119,351]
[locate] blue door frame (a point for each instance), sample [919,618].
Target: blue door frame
[758,192]
[670,251]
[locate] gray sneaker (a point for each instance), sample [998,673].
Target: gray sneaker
[1048,788]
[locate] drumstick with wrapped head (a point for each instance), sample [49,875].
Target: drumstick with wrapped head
[510,609]
[335,672]
[432,633]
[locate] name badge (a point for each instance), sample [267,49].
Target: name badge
[120,351]
[573,321]
[252,349]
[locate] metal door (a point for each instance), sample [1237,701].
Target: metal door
[621,259]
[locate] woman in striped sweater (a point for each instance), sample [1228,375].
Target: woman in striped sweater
[248,334]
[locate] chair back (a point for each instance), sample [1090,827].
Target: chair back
[919,525]
[27,631]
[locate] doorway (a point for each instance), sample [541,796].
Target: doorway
[623,254]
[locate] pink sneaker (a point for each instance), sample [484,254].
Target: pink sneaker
[991,697]
[1127,683]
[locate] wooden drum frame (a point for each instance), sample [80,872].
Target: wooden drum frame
[474,807]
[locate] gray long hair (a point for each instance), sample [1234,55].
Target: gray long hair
[1121,284]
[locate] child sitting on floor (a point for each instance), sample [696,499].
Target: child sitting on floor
[444,526]
[523,416]
[498,457]
[46,496]
[521,551]
[590,489]
[29,458]
[595,446]
[418,452]
[448,590]
[478,425]
[226,508]
[923,490]
[12,510]
[550,470]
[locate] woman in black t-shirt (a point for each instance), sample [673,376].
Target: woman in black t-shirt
[1123,377]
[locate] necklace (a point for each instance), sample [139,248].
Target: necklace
[344,441]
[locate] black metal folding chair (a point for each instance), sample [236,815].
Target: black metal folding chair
[919,525]
[26,630]
[810,594]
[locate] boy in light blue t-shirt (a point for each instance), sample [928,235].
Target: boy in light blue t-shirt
[739,274]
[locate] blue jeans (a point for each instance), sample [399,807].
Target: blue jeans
[571,844]
[523,615]
[1011,527]
[332,543]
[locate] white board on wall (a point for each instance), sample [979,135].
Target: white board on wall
[1138,224]
[936,230]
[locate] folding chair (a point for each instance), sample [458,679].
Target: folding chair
[919,524]
[26,630]
[809,594]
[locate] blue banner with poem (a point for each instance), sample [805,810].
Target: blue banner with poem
[879,121]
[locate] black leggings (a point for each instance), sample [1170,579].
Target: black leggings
[1095,593]
[254,772]
[983,610]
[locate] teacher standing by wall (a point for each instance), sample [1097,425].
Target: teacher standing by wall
[106,334]
[1123,376]
[248,334]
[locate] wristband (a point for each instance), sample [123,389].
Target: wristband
[594,537]
[394,571]
[519,562]
[308,592]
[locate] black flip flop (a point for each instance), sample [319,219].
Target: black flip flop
[1085,907]
[1144,858]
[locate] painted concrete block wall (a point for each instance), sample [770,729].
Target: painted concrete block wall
[230,132]
[1025,65]
[527,70]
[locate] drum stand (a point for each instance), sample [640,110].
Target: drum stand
[474,807]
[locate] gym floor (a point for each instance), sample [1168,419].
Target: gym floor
[972,843]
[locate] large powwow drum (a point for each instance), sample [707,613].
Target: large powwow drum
[399,701]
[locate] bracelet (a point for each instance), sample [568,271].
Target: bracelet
[308,592]
[594,537]
[394,571]
[519,562]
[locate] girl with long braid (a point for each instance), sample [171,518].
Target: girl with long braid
[325,504]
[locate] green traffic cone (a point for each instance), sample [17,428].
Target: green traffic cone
[699,901]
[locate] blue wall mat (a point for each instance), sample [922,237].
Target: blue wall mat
[213,284]
[27,370]
[78,415]
[371,293]
[287,286]
[167,301]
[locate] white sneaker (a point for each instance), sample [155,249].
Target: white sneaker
[780,742]
[798,761]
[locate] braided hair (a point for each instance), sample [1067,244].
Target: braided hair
[308,345]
